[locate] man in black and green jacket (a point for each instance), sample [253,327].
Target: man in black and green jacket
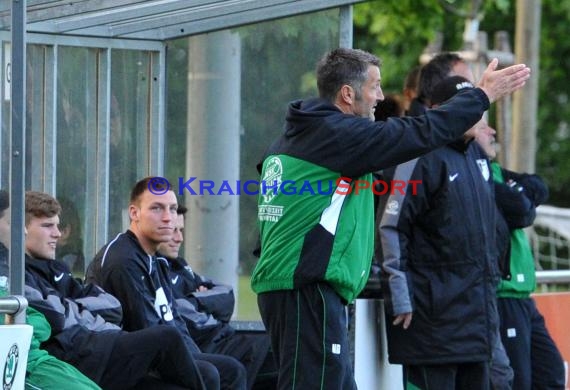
[535,359]
[533,355]
[316,216]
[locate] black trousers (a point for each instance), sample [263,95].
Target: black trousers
[251,349]
[461,376]
[156,356]
[229,373]
[534,357]
[309,337]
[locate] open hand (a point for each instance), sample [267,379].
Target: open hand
[498,83]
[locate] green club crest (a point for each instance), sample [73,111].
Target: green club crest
[10,367]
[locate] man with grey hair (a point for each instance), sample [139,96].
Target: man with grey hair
[316,247]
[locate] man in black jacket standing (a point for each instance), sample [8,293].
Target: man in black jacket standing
[534,356]
[440,263]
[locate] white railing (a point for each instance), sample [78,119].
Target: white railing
[550,237]
[553,276]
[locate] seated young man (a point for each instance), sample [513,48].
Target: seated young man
[207,307]
[128,267]
[84,319]
[43,371]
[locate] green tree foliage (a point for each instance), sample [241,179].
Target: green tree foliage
[398,31]
[553,143]
[553,138]
[553,108]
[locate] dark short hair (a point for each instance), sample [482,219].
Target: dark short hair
[181,210]
[343,67]
[4,201]
[40,205]
[434,71]
[142,185]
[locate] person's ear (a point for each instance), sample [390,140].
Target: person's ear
[347,94]
[134,213]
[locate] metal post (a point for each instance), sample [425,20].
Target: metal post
[525,101]
[345,31]
[504,106]
[18,152]
[212,225]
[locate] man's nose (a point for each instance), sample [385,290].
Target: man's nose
[167,215]
[380,94]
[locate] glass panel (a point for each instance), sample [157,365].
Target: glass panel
[75,97]
[35,117]
[130,97]
[277,65]
[35,126]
